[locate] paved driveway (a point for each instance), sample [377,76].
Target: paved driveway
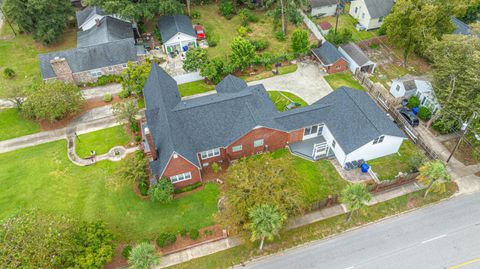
[307,82]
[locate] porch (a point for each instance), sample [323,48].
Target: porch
[313,149]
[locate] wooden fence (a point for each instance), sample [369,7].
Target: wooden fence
[388,185]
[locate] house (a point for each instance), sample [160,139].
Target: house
[320,8]
[358,61]
[184,137]
[177,33]
[102,49]
[370,13]
[325,27]
[407,86]
[330,58]
[461,28]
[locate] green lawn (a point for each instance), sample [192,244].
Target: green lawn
[389,166]
[348,22]
[225,30]
[282,70]
[21,54]
[282,99]
[43,177]
[101,141]
[343,79]
[195,87]
[14,125]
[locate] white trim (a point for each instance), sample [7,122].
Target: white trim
[185,175]
[214,154]
[168,163]
[239,148]
[259,140]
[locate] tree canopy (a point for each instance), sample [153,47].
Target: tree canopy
[434,174]
[266,222]
[46,19]
[143,256]
[195,59]
[139,9]
[243,53]
[161,191]
[134,77]
[355,197]
[300,42]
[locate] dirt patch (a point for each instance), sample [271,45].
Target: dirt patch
[411,203]
[118,260]
[465,152]
[215,233]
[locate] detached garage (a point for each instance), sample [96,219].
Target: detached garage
[330,58]
[177,33]
[320,8]
[357,59]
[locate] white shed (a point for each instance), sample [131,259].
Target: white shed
[320,8]
[177,33]
[357,59]
[407,86]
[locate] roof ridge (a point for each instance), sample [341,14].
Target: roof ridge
[363,112]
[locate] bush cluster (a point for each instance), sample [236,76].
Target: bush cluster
[194,234]
[260,44]
[424,113]
[107,98]
[188,188]
[8,72]
[126,251]
[413,101]
[166,239]
[226,9]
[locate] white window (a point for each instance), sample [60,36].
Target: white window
[356,10]
[96,73]
[181,177]
[110,68]
[124,65]
[311,130]
[237,148]
[258,143]
[381,19]
[205,164]
[333,144]
[210,153]
[398,88]
[378,140]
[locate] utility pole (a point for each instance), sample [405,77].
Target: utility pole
[464,129]
[337,13]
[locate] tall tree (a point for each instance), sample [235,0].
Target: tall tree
[300,42]
[434,174]
[46,19]
[135,76]
[195,59]
[266,222]
[355,197]
[143,256]
[415,24]
[243,53]
[126,111]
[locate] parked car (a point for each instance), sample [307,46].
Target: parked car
[200,32]
[409,116]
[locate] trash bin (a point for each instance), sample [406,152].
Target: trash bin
[415,110]
[365,167]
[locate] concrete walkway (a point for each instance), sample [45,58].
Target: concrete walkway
[315,216]
[100,91]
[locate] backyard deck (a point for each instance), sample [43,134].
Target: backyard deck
[304,148]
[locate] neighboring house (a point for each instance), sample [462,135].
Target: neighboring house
[177,33]
[102,49]
[408,86]
[330,58]
[358,61]
[183,138]
[370,13]
[461,28]
[325,27]
[319,8]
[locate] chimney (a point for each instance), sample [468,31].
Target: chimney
[320,43]
[151,145]
[62,69]
[97,22]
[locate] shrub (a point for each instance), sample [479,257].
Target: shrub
[8,72]
[445,127]
[208,232]
[166,239]
[107,98]
[161,191]
[124,94]
[280,36]
[188,188]
[183,232]
[243,30]
[194,234]
[196,15]
[374,46]
[107,79]
[126,251]
[157,35]
[300,42]
[342,36]
[216,167]
[424,113]
[134,127]
[142,185]
[226,9]
[413,101]
[415,162]
[212,43]
[260,44]
[137,138]
[246,16]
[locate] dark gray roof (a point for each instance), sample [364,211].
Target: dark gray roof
[322,3]
[461,28]
[92,57]
[356,53]
[171,25]
[379,8]
[230,84]
[194,125]
[410,85]
[87,13]
[327,53]
[110,29]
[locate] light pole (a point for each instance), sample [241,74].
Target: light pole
[464,129]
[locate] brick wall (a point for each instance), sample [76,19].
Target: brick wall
[84,77]
[296,136]
[273,140]
[62,69]
[207,163]
[178,166]
[339,66]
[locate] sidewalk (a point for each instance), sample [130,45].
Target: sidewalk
[315,216]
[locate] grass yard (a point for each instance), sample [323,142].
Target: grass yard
[282,70]
[21,54]
[14,125]
[348,22]
[195,87]
[225,30]
[282,99]
[343,79]
[316,231]
[101,141]
[388,167]
[43,177]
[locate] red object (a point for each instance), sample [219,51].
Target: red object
[200,32]
[325,25]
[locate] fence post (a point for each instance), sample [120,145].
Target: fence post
[329,201]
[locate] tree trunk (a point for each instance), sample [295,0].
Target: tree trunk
[284,23]
[261,243]
[405,56]
[428,189]
[350,215]
[188,8]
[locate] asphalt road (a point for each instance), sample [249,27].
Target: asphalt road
[446,235]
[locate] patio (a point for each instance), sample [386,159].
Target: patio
[353,176]
[312,149]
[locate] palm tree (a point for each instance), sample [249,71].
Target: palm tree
[434,174]
[143,256]
[355,197]
[266,222]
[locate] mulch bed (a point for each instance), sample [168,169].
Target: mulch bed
[118,260]
[185,242]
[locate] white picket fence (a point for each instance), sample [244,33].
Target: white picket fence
[312,26]
[189,77]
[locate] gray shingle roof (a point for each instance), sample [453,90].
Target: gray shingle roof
[461,28]
[230,84]
[322,3]
[194,125]
[327,53]
[171,25]
[91,57]
[110,29]
[355,53]
[379,8]
[87,13]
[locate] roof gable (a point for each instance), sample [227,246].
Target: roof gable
[327,53]
[352,50]
[88,13]
[322,3]
[461,28]
[379,8]
[109,30]
[171,25]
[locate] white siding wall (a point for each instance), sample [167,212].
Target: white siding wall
[363,16]
[339,153]
[374,23]
[91,22]
[397,93]
[351,63]
[390,145]
[327,10]
[180,37]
